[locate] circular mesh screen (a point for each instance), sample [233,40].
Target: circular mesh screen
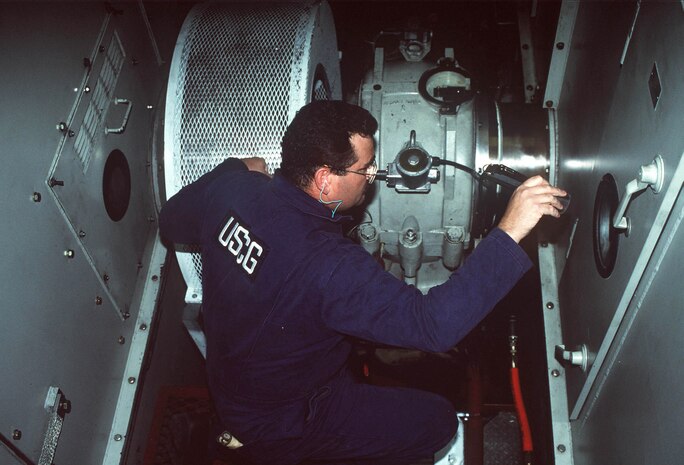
[239,74]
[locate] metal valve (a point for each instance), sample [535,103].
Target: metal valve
[651,175]
[578,358]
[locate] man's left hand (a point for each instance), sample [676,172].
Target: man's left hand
[256,164]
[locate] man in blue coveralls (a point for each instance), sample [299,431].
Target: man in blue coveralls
[285,292]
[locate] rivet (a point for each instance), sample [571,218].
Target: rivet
[549,103]
[377,87]
[105,277]
[16,434]
[102,48]
[68,253]
[71,133]
[544,244]
[65,406]
[529,87]
[555,373]
[561,448]
[560,45]
[118,437]
[122,340]
[126,315]
[98,300]
[86,89]
[131,380]
[36,197]
[150,107]
[81,233]
[143,327]
[525,46]
[155,277]
[549,305]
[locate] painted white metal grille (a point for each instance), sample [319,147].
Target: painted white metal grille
[239,74]
[103,93]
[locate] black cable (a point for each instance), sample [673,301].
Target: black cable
[436,161]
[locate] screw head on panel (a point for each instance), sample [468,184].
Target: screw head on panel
[65,406]
[36,197]
[16,434]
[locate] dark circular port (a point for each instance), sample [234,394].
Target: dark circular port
[116,185]
[606,237]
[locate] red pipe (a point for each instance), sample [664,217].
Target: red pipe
[520,409]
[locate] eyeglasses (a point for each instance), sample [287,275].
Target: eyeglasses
[369,172]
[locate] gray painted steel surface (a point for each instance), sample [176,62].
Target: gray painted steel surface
[609,120]
[66,324]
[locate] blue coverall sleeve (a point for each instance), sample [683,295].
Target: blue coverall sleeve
[362,300]
[180,220]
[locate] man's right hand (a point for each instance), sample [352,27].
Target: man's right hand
[531,200]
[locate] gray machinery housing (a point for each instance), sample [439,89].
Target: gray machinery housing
[426,217]
[106,122]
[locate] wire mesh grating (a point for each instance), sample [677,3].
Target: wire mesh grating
[238,79]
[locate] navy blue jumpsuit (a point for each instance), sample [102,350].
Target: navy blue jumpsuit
[283,290]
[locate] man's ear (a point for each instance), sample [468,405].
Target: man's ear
[321,179]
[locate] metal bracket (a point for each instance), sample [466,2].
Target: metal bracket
[651,175]
[122,128]
[57,407]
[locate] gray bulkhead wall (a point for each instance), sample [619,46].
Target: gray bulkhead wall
[79,288]
[621,106]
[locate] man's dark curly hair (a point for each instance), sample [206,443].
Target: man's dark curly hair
[319,136]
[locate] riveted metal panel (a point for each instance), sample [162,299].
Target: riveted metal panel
[607,122]
[65,326]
